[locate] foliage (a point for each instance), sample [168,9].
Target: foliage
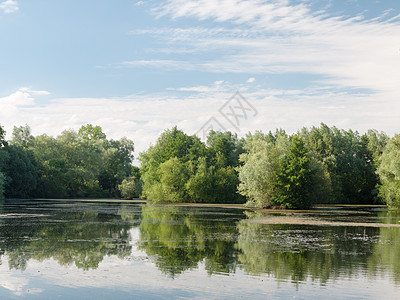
[224,148]
[260,164]
[117,164]
[2,183]
[317,165]
[3,141]
[277,171]
[180,168]
[74,164]
[130,188]
[294,180]
[22,136]
[21,172]
[389,173]
[347,158]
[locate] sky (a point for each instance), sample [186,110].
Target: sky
[136,68]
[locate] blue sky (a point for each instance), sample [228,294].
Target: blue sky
[138,67]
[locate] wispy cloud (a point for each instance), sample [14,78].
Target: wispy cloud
[157,63]
[279,37]
[9,6]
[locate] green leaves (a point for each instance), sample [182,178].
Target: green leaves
[180,168]
[3,141]
[276,171]
[389,173]
[74,164]
[260,166]
[294,180]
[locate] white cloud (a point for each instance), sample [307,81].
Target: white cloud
[9,6]
[19,98]
[169,64]
[270,37]
[143,117]
[34,92]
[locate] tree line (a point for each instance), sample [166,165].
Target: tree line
[314,165]
[71,165]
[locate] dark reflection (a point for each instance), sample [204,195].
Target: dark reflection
[298,253]
[386,254]
[219,240]
[179,238]
[80,234]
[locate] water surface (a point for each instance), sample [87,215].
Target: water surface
[102,249]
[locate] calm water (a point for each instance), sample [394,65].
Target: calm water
[100,250]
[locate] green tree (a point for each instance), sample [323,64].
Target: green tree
[294,180]
[389,173]
[201,184]
[90,132]
[117,165]
[224,148]
[277,170]
[3,141]
[130,188]
[53,170]
[21,172]
[22,136]
[260,165]
[173,177]
[2,184]
[346,157]
[213,183]
[165,166]
[3,161]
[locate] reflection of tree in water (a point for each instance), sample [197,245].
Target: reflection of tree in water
[178,238]
[387,250]
[80,238]
[297,253]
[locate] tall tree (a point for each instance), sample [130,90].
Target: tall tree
[21,172]
[294,180]
[117,164]
[174,149]
[3,141]
[389,173]
[260,165]
[344,154]
[22,136]
[3,159]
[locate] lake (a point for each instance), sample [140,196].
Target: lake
[70,249]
